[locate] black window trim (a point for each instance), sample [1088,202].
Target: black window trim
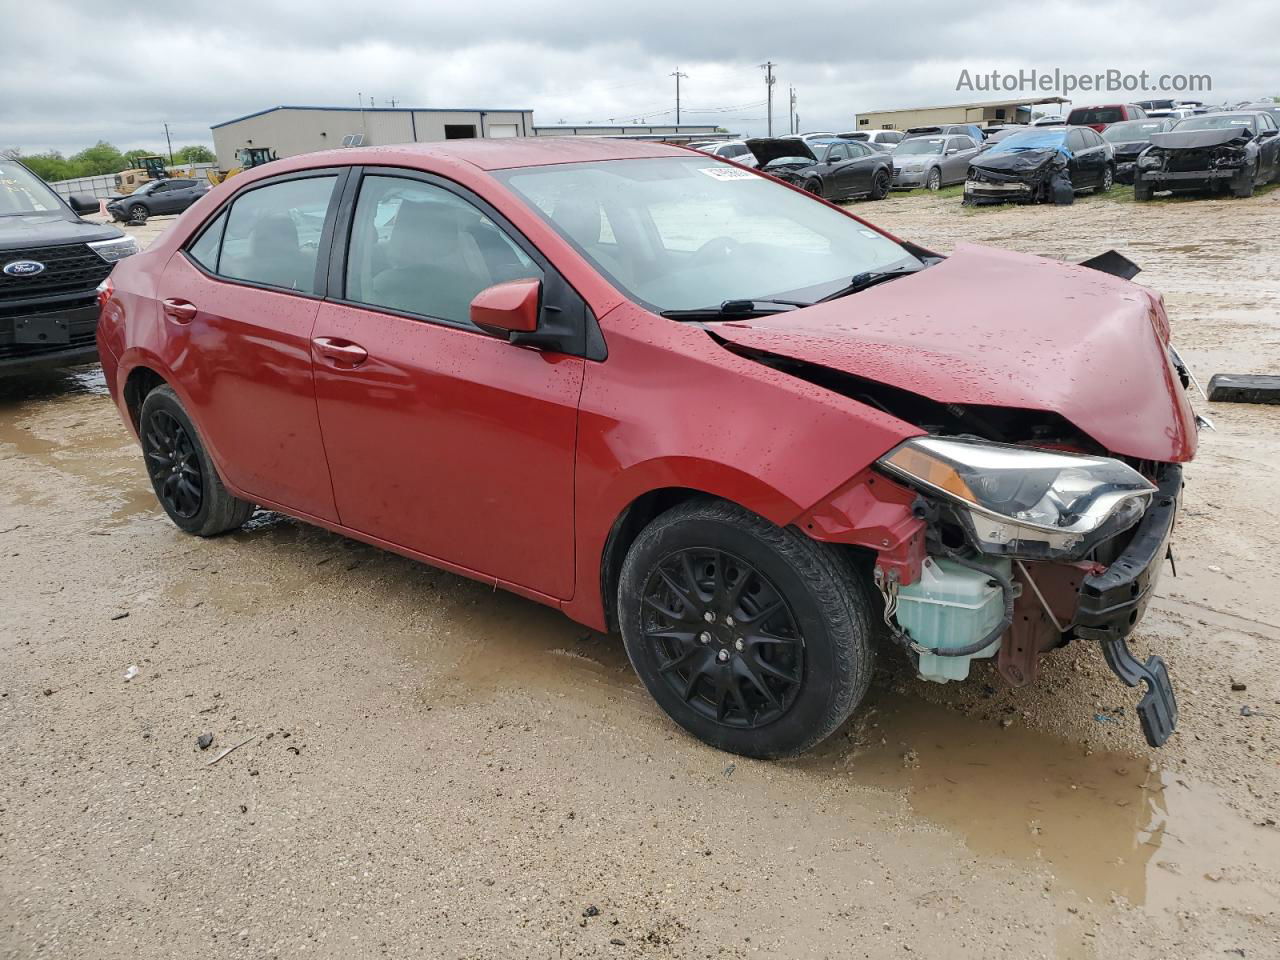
[559,296]
[320,281]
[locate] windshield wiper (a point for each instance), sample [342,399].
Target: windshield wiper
[869,279]
[731,309]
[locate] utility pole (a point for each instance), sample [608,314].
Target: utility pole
[769,81]
[393,101]
[791,125]
[678,75]
[169,142]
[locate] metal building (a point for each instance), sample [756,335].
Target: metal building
[983,112]
[291,130]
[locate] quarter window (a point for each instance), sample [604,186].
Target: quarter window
[205,250]
[421,249]
[272,235]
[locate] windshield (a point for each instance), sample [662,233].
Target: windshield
[1215,121]
[919,145]
[1030,140]
[678,233]
[1133,130]
[21,191]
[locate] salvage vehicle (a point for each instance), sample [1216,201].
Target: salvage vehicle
[675,398]
[735,150]
[932,162]
[1041,166]
[51,262]
[887,139]
[1236,151]
[1099,117]
[157,197]
[1128,138]
[833,169]
[970,130]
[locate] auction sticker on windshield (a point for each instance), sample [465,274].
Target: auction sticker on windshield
[727,173]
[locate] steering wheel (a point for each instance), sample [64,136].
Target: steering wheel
[717,248]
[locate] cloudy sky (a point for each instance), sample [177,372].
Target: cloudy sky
[76,72]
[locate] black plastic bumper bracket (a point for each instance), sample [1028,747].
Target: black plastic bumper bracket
[1158,711]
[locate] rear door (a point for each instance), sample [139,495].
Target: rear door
[238,305]
[960,150]
[441,439]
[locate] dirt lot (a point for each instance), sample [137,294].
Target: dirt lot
[442,771]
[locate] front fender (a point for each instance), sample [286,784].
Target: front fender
[674,408]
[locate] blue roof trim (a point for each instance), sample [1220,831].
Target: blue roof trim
[259,113]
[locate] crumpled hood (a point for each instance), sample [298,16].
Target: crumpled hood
[998,328]
[1016,163]
[1200,139]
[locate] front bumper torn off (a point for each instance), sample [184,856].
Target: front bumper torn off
[1113,601]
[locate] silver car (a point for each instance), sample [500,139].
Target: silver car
[735,150]
[932,162]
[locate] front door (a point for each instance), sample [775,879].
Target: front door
[440,438]
[237,307]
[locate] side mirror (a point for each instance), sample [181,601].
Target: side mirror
[1267,133]
[83,203]
[507,308]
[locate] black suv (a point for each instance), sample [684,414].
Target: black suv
[157,196]
[51,263]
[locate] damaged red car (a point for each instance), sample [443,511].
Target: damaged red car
[756,435]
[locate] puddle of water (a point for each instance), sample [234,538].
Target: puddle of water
[1105,824]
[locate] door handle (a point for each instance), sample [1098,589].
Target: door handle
[341,353]
[180,310]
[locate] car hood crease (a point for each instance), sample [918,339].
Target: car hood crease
[996,328]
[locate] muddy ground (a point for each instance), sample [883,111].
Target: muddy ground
[439,770]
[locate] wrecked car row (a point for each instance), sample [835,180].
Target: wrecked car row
[1199,154]
[756,435]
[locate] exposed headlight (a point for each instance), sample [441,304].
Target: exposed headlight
[1149,160]
[1017,501]
[113,250]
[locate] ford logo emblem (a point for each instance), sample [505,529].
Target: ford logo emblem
[23,268]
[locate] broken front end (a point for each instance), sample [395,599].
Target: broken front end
[1195,161]
[1024,176]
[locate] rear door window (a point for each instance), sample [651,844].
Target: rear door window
[273,233]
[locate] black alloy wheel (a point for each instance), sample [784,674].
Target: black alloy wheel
[880,185]
[174,464]
[724,637]
[184,478]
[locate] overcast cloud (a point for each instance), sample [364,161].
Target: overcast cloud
[72,73]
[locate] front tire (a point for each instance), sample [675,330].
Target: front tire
[183,477]
[137,214]
[934,182]
[1108,179]
[1245,187]
[880,185]
[1141,190]
[814,187]
[754,638]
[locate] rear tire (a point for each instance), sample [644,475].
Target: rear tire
[182,475]
[754,638]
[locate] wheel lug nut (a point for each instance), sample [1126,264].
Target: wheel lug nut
[704,637]
[738,644]
[728,621]
[709,617]
[722,656]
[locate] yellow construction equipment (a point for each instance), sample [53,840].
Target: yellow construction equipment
[249,157]
[149,168]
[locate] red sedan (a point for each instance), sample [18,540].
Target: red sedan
[672,397]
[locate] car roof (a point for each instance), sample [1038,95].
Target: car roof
[503,153]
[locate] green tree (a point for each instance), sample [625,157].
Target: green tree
[132,158]
[94,161]
[50,166]
[194,153]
